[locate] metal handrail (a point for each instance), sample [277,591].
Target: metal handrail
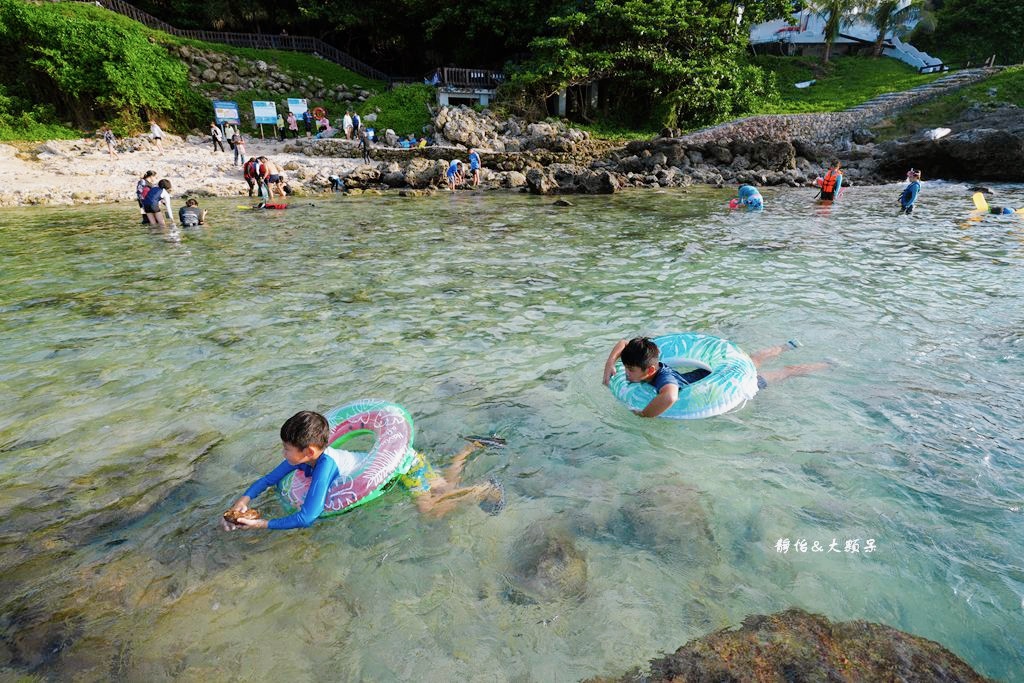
[259,41]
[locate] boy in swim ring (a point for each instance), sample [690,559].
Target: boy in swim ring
[304,442]
[641,359]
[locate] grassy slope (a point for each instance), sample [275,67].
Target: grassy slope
[1006,87]
[843,83]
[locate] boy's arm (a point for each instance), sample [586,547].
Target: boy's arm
[668,395]
[609,365]
[312,505]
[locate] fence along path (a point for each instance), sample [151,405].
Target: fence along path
[259,41]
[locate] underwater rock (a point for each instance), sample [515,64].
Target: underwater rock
[547,565]
[798,646]
[669,520]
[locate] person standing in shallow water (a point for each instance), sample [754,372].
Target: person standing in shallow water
[142,188]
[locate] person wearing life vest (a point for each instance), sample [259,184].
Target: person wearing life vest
[252,173]
[161,194]
[832,182]
[142,188]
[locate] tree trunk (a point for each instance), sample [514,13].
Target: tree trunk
[828,51]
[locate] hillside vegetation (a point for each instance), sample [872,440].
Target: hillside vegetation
[1006,87]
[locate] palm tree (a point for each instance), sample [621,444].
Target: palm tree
[890,15]
[837,13]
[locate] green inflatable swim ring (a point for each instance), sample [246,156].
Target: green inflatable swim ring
[732,382]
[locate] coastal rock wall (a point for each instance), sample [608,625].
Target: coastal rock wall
[220,74]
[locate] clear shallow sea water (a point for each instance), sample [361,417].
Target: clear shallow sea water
[143,378]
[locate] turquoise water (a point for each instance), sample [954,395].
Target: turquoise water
[144,376]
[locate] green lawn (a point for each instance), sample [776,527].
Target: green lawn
[842,83]
[1006,87]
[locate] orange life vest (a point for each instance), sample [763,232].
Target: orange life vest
[829,183]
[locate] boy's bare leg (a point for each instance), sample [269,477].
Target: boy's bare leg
[438,504]
[771,376]
[453,473]
[771,352]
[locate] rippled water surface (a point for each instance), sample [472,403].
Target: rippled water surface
[143,378]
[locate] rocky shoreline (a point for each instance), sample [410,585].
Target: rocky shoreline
[541,157]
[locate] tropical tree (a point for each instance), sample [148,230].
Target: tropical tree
[891,16]
[837,14]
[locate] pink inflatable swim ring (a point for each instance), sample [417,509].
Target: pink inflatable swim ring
[390,456]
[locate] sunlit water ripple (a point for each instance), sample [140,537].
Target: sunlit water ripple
[144,376]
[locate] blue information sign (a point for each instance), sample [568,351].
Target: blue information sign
[226,112]
[264,112]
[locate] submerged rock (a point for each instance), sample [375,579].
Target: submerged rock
[668,520]
[547,565]
[797,646]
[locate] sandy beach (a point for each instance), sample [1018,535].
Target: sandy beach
[67,172]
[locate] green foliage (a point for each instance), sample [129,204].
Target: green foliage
[1006,87]
[841,84]
[669,62]
[92,66]
[837,14]
[405,109]
[975,29]
[21,120]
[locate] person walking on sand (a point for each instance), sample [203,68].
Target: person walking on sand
[217,137]
[158,135]
[108,137]
[346,124]
[364,143]
[239,144]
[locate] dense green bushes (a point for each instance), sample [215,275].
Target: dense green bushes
[81,65]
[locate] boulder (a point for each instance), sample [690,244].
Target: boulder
[547,565]
[539,181]
[669,520]
[512,179]
[977,154]
[421,173]
[798,646]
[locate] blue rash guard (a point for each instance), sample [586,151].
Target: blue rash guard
[909,196]
[668,375]
[453,168]
[474,161]
[750,197]
[323,472]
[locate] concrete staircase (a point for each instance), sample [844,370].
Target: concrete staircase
[893,102]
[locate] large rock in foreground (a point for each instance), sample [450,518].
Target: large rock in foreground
[796,646]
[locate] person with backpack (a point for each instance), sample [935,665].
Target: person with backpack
[142,188]
[161,194]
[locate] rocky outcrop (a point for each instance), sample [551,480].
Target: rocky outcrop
[985,144]
[797,646]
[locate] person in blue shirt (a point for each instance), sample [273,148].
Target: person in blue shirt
[910,192]
[641,359]
[304,442]
[474,167]
[454,174]
[749,197]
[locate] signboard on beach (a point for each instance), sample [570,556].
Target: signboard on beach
[264,112]
[226,112]
[297,107]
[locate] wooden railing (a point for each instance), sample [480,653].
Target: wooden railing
[471,78]
[259,41]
